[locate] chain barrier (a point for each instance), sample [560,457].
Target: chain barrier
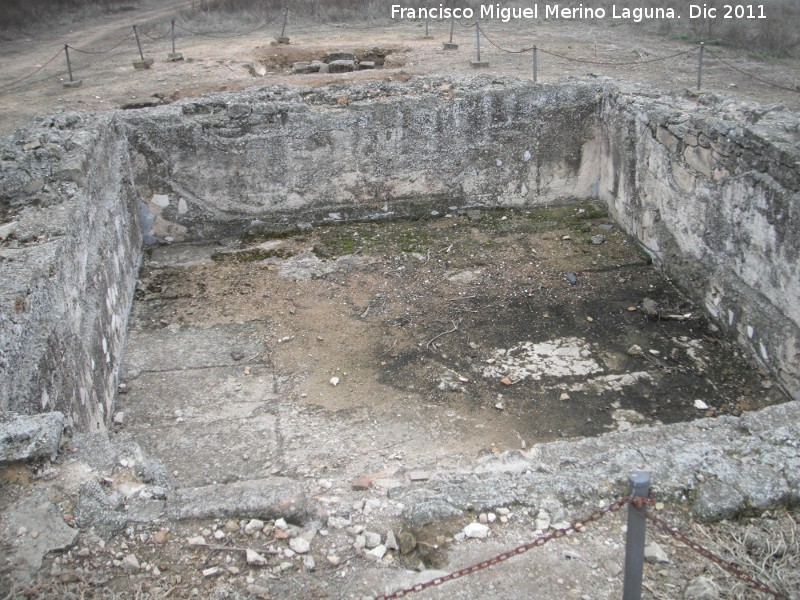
[638,502]
[488,39]
[232,35]
[721,562]
[31,74]
[540,541]
[228,35]
[619,64]
[97,52]
[156,38]
[750,75]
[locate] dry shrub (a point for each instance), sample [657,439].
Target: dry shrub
[766,547]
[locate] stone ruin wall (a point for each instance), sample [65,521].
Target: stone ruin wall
[68,283]
[713,194]
[375,150]
[710,190]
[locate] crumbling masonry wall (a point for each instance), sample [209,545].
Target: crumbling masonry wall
[713,193]
[709,188]
[372,150]
[68,267]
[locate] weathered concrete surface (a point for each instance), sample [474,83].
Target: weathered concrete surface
[24,437]
[723,467]
[35,527]
[68,272]
[371,150]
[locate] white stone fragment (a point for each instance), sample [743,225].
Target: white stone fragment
[255,559]
[253,526]
[377,553]
[299,545]
[476,531]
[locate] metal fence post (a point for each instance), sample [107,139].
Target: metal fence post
[535,66]
[138,43]
[285,21]
[639,483]
[282,39]
[700,65]
[69,66]
[478,41]
[175,56]
[450,45]
[452,26]
[72,83]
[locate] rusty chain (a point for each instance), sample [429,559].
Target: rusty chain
[540,541]
[636,501]
[721,562]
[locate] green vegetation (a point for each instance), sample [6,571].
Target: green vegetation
[250,255]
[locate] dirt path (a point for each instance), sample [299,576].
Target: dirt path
[109,80]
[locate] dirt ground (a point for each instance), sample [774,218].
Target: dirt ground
[214,64]
[400,348]
[372,349]
[409,315]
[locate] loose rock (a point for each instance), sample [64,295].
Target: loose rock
[407,542]
[391,541]
[299,545]
[377,553]
[653,554]
[701,588]
[476,531]
[253,526]
[255,559]
[131,563]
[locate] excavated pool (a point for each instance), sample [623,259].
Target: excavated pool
[363,348]
[388,279]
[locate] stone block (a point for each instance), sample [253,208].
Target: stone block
[342,66]
[699,159]
[449,46]
[28,437]
[143,64]
[670,141]
[341,55]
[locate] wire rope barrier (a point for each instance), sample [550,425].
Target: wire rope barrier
[25,80]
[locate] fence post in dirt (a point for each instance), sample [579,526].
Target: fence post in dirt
[175,56]
[535,66]
[478,63]
[639,483]
[144,63]
[700,65]
[282,38]
[450,45]
[428,36]
[71,83]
